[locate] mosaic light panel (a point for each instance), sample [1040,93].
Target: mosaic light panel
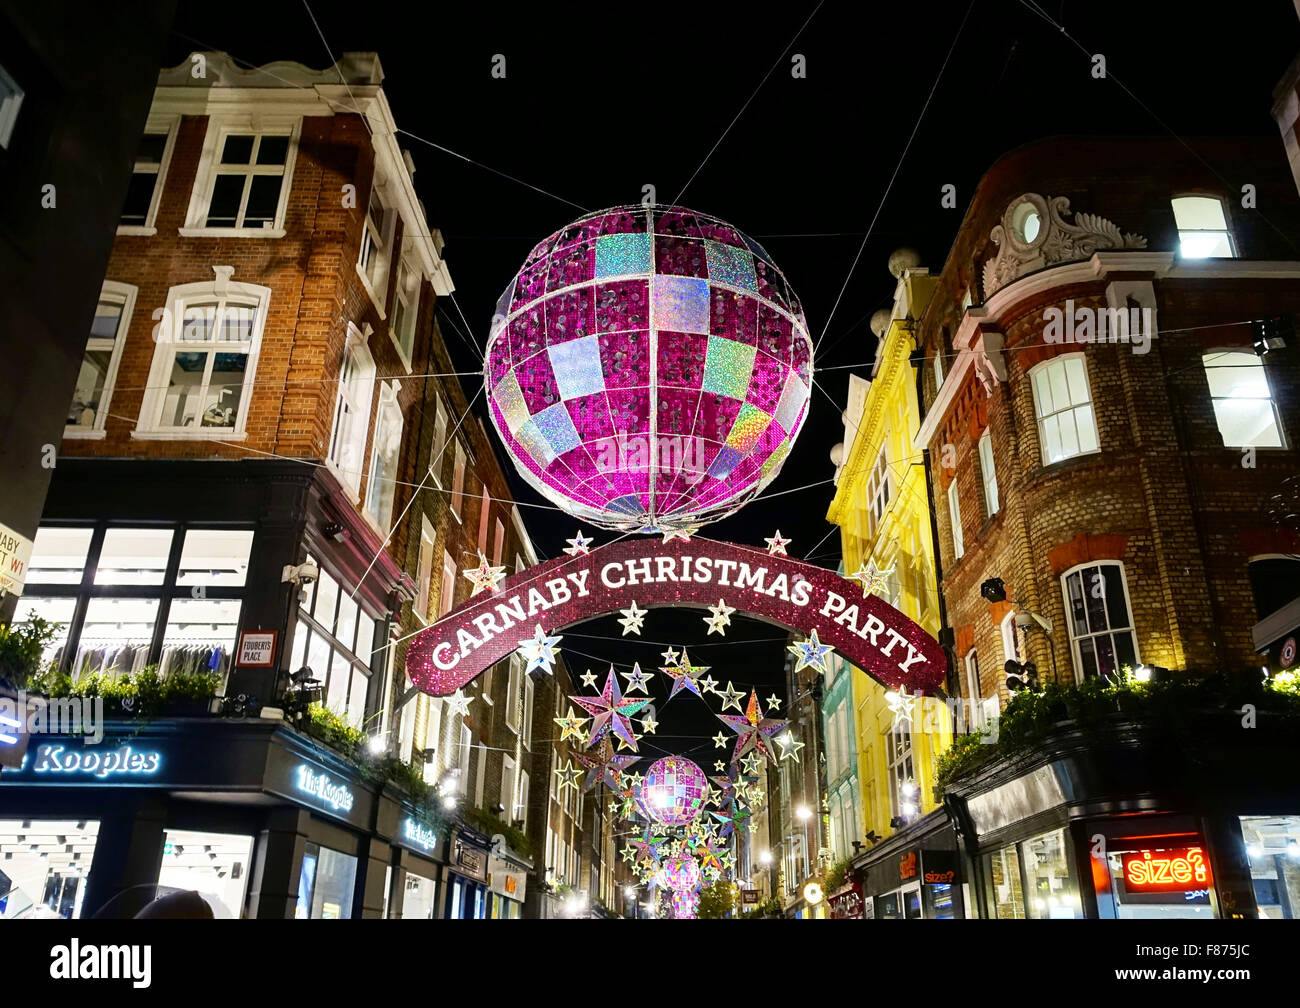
[649,368]
[673,791]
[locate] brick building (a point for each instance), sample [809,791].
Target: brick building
[1118,486]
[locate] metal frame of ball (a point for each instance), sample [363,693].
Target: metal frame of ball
[670,520]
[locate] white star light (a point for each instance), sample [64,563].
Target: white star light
[719,741]
[589,678]
[789,747]
[774,702]
[731,697]
[670,657]
[709,684]
[777,544]
[636,679]
[720,766]
[632,619]
[810,652]
[539,650]
[901,704]
[721,617]
[484,576]
[579,545]
[649,724]
[458,703]
[874,579]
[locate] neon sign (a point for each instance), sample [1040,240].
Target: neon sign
[123,761]
[319,785]
[419,835]
[1175,870]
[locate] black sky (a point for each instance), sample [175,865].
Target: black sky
[600,100]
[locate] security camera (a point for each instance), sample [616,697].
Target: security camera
[308,573]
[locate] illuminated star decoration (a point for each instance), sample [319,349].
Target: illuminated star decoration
[568,775]
[731,697]
[539,650]
[685,676]
[571,726]
[709,684]
[684,534]
[810,652]
[752,763]
[579,545]
[719,765]
[458,702]
[753,731]
[611,712]
[484,576]
[774,702]
[632,619]
[670,657]
[603,766]
[636,679]
[777,544]
[873,578]
[901,704]
[721,617]
[719,741]
[789,747]
[649,724]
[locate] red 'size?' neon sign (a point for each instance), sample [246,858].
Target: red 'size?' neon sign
[1175,870]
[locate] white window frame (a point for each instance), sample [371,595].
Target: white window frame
[509,786]
[521,802]
[938,369]
[168,335]
[1183,232]
[954,520]
[989,473]
[124,295]
[220,127]
[10,107]
[406,296]
[975,712]
[356,395]
[1207,366]
[377,239]
[898,763]
[1075,654]
[447,592]
[498,542]
[156,125]
[424,570]
[388,411]
[879,488]
[513,698]
[1010,638]
[530,698]
[1041,417]
[458,483]
[438,449]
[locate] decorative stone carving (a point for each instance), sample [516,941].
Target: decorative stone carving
[990,366]
[1034,233]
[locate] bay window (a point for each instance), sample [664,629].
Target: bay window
[1063,407]
[352,411]
[1099,620]
[94,390]
[335,638]
[205,360]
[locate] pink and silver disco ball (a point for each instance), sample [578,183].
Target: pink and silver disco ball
[680,873]
[673,791]
[649,368]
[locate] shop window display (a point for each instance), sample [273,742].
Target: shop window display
[1273,848]
[43,867]
[215,865]
[325,884]
[418,900]
[1004,874]
[1052,892]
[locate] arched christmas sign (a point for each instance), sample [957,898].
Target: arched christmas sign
[645,573]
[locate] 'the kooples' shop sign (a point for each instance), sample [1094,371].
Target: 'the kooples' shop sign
[124,761]
[320,786]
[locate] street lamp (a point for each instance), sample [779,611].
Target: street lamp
[765,857]
[804,813]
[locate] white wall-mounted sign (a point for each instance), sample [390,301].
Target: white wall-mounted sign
[257,648]
[321,786]
[123,761]
[15,552]
[418,834]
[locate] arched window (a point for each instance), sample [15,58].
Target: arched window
[1099,619]
[205,360]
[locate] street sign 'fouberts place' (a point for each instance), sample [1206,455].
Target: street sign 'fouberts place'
[559,593]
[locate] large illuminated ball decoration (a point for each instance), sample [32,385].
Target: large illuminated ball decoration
[680,873]
[673,791]
[649,368]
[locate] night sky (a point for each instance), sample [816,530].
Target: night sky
[598,102]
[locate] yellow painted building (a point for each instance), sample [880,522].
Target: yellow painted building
[883,512]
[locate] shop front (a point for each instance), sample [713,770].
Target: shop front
[846,902]
[259,819]
[507,882]
[1119,830]
[466,875]
[913,875]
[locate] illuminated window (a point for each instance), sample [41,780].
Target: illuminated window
[1243,404]
[424,578]
[1063,406]
[384,459]
[94,389]
[989,473]
[1202,229]
[1099,620]
[458,482]
[954,520]
[878,488]
[352,411]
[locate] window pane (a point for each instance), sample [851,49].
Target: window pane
[365,637]
[1051,889]
[150,151]
[201,624]
[1106,656]
[226,391]
[1069,434]
[238,149]
[1094,598]
[116,635]
[227,191]
[215,557]
[318,658]
[1204,245]
[57,611]
[272,150]
[1059,384]
[1052,440]
[1234,375]
[1008,900]
[107,316]
[336,876]
[1198,212]
[89,391]
[1086,426]
[197,322]
[357,698]
[134,556]
[336,691]
[1087,657]
[58,555]
[345,630]
[327,596]
[237,322]
[139,194]
[1125,650]
[1116,608]
[263,200]
[1244,422]
[300,634]
[1077,379]
[1042,392]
